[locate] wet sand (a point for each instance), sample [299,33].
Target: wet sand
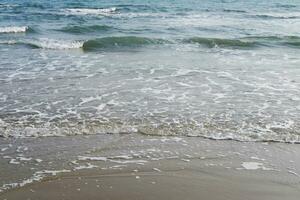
[170,168]
[190,183]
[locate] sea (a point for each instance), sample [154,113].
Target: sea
[122,86]
[219,69]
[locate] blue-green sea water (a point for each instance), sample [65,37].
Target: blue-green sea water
[222,69]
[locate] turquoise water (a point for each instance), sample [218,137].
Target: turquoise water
[219,69]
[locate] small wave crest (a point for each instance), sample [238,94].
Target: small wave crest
[14,29]
[91,11]
[46,43]
[246,42]
[277,16]
[291,41]
[219,42]
[84,29]
[234,11]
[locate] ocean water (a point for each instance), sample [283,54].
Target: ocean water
[221,69]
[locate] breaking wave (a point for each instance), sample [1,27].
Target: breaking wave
[15,29]
[286,131]
[113,42]
[91,11]
[99,44]
[45,44]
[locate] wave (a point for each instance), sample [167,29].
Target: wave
[45,43]
[285,6]
[84,29]
[91,11]
[234,11]
[36,5]
[219,42]
[285,132]
[125,41]
[246,42]
[291,41]
[103,43]
[15,29]
[277,16]
[89,45]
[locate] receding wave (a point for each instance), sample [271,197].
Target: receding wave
[84,29]
[15,29]
[91,11]
[219,42]
[287,132]
[114,42]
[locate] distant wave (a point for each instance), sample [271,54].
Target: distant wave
[84,29]
[14,29]
[246,42]
[277,15]
[6,5]
[126,41]
[219,42]
[234,11]
[9,42]
[292,41]
[91,11]
[285,6]
[46,43]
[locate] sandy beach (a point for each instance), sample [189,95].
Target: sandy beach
[149,100]
[143,167]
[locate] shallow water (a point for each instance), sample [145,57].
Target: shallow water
[218,69]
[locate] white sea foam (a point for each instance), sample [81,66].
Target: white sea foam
[129,161]
[99,158]
[126,157]
[90,11]
[4,149]
[53,172]
[156,169]
[38,160]
[14,161]
[254,166]
[8,42]
[13,29]
[47,43]
[88,166]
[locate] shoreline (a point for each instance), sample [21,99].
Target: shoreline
[132,163]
